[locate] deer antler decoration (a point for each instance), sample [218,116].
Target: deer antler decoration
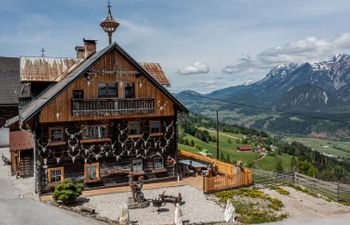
[162,107]
[44,148]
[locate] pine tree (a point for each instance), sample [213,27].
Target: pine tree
[279,166]
[192,143]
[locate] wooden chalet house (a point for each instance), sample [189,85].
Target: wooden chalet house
[101,119]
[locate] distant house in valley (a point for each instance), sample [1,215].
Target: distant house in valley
[260,149]
[245,148]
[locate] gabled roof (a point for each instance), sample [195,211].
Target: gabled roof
[157,72]
[9,80]
[36,105]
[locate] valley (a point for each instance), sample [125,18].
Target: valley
[310,100]
[230,153]
[340,149]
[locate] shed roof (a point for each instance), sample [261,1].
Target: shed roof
[9,80]
[20,140]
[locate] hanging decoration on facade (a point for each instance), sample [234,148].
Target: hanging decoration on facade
[89,77]
[144,146]
[58,113]
[122,131]
[168,127]
[58,156]
[74,135]
[44,148]
[141,82]
[73,157]
[162,107]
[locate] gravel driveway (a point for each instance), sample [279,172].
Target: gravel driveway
[17,211]
[196,208]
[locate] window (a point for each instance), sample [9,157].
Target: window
[129,90]
[92,172]
[102,91]
[134,128]
[112,89]
[56,174]
[95,132]
[158,163]
[56,134]
[137,165]
[107,90]
[78,94]
[154,126]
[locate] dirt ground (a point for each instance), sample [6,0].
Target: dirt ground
[300,205]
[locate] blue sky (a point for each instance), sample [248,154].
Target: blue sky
[202,45]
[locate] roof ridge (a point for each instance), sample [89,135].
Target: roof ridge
[34,106]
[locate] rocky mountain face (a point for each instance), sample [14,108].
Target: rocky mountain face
[317,86]
[315,89]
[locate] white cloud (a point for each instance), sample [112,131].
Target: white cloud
[195,68]
[310,49]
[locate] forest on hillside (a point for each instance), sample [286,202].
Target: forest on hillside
[304,159]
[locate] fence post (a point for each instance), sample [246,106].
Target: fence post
[294,175]
[205,184]
[338,191]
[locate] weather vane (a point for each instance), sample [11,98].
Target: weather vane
[109,25]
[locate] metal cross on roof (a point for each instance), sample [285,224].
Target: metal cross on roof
[42,52]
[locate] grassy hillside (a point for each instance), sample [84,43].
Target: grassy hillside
[228,147]
[337,148]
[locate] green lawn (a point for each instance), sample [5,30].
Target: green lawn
[337,148]
[268,163]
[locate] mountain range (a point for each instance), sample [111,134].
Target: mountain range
[304,99]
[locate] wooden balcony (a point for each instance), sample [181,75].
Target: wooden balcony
[104,107]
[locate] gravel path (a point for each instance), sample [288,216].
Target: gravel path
[300,205]
[304,209]
[16,210]
[196,208]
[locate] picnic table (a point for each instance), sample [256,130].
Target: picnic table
[198,167]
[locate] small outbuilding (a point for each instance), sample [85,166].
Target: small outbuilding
[245,148]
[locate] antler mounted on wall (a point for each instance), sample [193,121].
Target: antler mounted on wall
[89,77]
[122,131]
[43,148]
[162,107]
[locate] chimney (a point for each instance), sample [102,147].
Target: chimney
[80,50]
[90,47]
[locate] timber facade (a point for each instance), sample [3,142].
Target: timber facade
[100,118]
[105,122]
[102,121]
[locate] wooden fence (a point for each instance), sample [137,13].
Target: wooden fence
[333,190]
[221,167]
[224,182]
[266,178]
[230,176]
[336,191]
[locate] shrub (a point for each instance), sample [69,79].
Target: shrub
[279,190]
[67,192]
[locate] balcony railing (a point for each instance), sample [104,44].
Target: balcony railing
[105,107]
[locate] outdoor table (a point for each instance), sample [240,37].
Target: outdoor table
[197,166]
